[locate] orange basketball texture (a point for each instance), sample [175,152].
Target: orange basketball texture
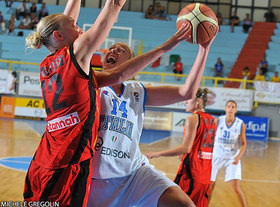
[203,21]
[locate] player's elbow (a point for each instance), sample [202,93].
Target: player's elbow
[187,93]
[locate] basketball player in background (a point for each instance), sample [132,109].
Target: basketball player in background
[226,153]
[122,175]
[61,168]
[194,173]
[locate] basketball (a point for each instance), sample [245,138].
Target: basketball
[204,23]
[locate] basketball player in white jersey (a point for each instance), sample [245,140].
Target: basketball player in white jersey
[226,152]
[122,175]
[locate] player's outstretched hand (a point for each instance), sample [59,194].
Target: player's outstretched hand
[119,3]
[179,36]
[208,44]
[152,155]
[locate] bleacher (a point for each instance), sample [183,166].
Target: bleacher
[272,56]
[152,32]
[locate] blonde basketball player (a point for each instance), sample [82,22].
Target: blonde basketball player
[122,175]
[226,153]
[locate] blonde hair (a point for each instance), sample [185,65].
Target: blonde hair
[45,28]
[202,93]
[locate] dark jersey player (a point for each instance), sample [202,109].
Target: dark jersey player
[194,173]
[61,168]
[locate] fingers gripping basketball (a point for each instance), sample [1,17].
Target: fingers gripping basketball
[203,21]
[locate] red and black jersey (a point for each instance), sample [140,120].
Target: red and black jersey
[197,165]
[72,104]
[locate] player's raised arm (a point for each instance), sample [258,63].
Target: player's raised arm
[129,68]
[189,89]
[172,94]
[86,44]
[72,9]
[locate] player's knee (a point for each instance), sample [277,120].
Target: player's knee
[236,187]
[174,196]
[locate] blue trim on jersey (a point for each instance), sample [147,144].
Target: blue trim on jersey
[144,101]
[231,124]
[121,92]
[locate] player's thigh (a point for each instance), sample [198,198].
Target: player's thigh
[232,171]
[217,164]
[174,196]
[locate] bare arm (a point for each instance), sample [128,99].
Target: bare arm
[72,9]
[243,144]
[159,96]
[91,40]
[216,121]
[188,139]
[189,89]
[13,84]
[129,68]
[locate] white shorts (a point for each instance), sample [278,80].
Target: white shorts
[231,171]
[142,188]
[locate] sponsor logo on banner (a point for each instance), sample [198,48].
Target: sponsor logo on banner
[267,92]
[178,121]
[30,108]
[29,84]
[218,97]
[63,122]
[256,127]
[157,120]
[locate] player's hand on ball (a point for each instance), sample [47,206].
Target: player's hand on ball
[119,2]
[178,37]
[208,44]
[182,33]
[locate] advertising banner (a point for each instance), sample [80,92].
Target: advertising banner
[178,121]
[30,108]
[29,84]
[218,97]
[256,127]
[5,81]
[7,106]
[267,92]
[157,120]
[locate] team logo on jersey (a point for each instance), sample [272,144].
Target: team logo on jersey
[105,93]
[114,138]
[99,144]
[136,96]
[63,122]
[204,155]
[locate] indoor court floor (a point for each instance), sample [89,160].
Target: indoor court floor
[260,165]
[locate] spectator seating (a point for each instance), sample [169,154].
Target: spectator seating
[152,32]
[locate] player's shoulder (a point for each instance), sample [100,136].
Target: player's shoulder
[135,86]
[221,118]
[238,120]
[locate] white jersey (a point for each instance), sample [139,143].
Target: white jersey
[226,139]
[121,122]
